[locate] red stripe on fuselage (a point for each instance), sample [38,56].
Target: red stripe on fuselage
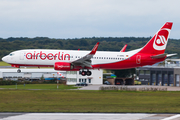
[130,62]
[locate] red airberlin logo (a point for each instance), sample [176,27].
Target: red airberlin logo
[49,56]
[161,37]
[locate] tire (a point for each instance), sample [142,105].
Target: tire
[83,73]
[89,73]
[18,71]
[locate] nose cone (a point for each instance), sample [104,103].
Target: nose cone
[5,59]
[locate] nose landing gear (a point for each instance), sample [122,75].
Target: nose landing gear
[18,71]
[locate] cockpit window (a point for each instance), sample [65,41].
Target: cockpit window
[11,54]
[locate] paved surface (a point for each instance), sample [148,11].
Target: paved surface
[5,115]
[96,87]
[87,116]
[6,67]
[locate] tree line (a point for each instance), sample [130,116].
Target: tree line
[106,44]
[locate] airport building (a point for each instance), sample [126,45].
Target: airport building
[167,74]
[72,77]
[157,76]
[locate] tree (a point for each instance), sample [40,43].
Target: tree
[42,77]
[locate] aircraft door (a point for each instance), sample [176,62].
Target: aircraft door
[22,56]
[138,59]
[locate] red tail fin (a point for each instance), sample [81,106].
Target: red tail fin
[157,44]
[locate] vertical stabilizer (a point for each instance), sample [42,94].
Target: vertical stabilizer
[158,42]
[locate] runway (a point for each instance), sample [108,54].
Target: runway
[87,116]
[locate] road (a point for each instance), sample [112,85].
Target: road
[87,116]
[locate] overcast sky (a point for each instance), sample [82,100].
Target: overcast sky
[87,18]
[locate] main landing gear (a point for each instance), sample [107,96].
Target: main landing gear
[84,73]
[19,70]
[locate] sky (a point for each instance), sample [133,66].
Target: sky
[87,18]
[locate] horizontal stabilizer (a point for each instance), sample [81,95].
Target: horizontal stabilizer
[159,56]
[163,55]
[169,55]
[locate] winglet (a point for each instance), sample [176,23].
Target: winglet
[93,51]
[124,48]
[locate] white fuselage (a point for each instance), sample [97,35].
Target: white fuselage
[44,57]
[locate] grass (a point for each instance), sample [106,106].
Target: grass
[88,101]
[4,64]
[39,86]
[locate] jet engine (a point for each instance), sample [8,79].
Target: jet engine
[63,66]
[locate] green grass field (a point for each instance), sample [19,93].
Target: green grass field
[39,86]
[4,64]
[88,101]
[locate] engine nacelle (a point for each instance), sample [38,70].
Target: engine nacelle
[63,66]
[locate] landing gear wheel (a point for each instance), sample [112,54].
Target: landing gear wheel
[83,73]
[88,73]
[18,70]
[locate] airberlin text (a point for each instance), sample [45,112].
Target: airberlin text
[49,56]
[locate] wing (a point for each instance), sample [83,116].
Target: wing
[86,60]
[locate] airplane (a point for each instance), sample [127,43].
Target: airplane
[83,61]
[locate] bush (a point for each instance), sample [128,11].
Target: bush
[4,82]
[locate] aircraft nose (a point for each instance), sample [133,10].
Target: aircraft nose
[4,59]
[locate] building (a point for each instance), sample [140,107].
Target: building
[166,73]
[29,74]
[72,77]
[163,76]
